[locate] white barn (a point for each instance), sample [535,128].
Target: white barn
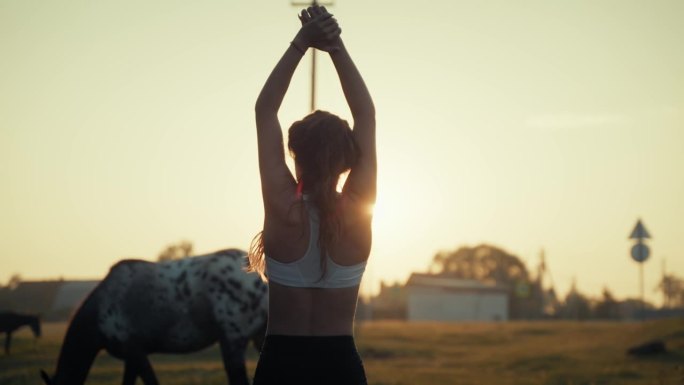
[435,298]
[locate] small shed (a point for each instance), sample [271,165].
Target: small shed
[439,298]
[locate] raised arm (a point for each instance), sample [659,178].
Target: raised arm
[276,178]
[362,181]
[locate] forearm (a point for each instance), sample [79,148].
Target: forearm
[273,92]
[354,88]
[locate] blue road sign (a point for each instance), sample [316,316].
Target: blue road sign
[640,252]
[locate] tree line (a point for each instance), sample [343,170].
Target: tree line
[530,298]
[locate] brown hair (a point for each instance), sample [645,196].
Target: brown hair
[323,147]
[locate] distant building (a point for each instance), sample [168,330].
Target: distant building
[439,298]
[52,300]
[70,296]
[390,303]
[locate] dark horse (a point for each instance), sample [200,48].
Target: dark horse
[9,322]
[176,306]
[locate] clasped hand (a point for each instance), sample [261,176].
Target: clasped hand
[319,30]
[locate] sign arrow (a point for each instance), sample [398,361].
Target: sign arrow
[639,231]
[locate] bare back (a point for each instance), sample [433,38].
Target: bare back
[315,311]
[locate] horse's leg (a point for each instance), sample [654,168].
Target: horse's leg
[258,338]
[233,353]
[146,373]
[139,365]
[8,340]
[129,373]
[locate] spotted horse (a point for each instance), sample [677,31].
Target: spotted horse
[177,306]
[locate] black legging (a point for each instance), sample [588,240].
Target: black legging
[305,360]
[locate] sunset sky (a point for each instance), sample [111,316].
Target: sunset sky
[128,125]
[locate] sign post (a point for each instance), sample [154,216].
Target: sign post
[640,253]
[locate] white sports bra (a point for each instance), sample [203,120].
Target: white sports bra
[306,271]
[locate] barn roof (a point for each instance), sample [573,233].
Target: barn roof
[53,300]
[30,297]
[451,283]
[72,293]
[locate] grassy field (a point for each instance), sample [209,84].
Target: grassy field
[399,353]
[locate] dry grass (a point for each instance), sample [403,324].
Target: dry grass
[399,353]
[520,353]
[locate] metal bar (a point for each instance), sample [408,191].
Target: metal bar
[313,80]
[641,279]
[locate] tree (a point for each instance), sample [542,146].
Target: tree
[576,305]
[179,250]
[483,262]
[672,288]
[491,264]
[14,281]
[608,307]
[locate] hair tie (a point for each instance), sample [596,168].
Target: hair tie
[300,189]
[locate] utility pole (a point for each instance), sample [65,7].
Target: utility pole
[549,299]
[313,52]
[665,287]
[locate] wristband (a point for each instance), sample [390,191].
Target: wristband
[298,48]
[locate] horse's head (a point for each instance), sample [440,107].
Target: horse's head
[35,326]
[46,378]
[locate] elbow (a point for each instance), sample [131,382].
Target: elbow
[262,107]
[369,109]
[366,115]
[263,111]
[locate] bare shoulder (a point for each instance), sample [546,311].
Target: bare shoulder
[356,211]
